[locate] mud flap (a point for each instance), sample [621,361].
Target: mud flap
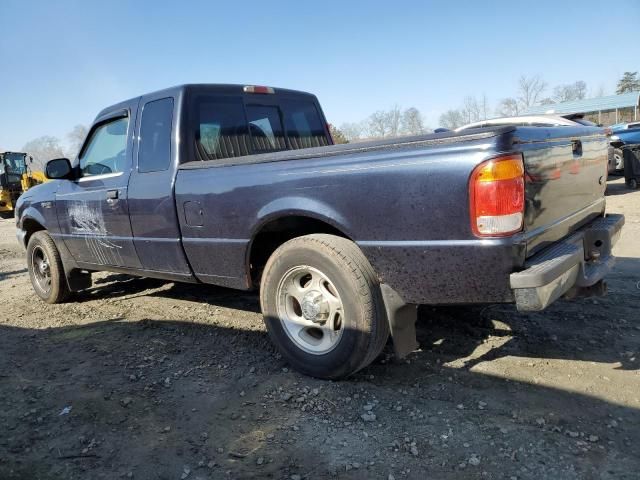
[78,279]
[402,321]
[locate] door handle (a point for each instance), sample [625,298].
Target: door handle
[112,194]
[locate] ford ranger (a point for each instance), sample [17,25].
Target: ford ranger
[240,186]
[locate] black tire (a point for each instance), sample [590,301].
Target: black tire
[41,247]
[365,328]
[632,183]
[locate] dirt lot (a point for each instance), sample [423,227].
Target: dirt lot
[145,379]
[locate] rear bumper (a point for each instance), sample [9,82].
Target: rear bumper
[572,266]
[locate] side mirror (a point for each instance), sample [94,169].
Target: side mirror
[59,169]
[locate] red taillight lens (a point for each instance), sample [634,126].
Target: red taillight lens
[257,89]
[496,193]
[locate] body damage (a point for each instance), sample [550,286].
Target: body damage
[87,221]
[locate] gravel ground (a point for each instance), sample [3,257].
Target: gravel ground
[145,379]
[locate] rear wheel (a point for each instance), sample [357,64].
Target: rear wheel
[632,183]
[618,160]
[45,269]
[322,306]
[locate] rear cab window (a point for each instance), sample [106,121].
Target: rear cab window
[154,153]
[225,125]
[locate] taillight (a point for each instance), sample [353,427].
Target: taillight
[496,192]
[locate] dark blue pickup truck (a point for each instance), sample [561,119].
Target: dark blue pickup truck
[240,186]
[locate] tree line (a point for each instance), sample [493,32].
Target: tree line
[47,147]
[381,124]
[530,91]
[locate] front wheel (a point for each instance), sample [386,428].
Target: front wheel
[632,183]
[45,269]
[323,307]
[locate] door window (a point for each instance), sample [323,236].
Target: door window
[106,150]
[155,136]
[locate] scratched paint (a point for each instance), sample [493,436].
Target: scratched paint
[87,221]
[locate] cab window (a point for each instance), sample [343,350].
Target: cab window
[105,151]
[155,136]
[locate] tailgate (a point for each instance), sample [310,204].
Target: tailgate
[565,180]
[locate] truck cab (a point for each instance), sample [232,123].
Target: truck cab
[119,212]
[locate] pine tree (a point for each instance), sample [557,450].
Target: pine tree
[628,83]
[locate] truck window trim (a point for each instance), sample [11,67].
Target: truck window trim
[102,176]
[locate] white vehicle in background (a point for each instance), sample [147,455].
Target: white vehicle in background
[569,120]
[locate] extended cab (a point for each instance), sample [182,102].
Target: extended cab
[239,186]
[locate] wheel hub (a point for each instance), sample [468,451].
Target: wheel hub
[315,308]
[310,309]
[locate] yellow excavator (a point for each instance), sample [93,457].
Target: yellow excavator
[16,177]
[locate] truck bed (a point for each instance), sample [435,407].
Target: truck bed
[404,201]
[412,142]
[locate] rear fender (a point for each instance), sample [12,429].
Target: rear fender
[304,207]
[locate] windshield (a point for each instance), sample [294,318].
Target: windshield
[15,163]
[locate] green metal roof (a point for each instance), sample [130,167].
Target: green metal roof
[599,104]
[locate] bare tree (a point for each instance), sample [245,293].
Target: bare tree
[43,149]
[352,131]
[470,109]
[570,92]
[598,92]
[377,124]
[508,107]
[393,121]
[485,110]
[452,119]
[76,139]
[412,122]
[530,90]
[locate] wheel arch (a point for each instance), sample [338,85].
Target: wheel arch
[279,227]
[31,225]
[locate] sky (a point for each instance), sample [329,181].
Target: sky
[61,62]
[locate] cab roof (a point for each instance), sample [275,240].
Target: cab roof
[223,88]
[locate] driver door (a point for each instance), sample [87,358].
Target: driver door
[93,211]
